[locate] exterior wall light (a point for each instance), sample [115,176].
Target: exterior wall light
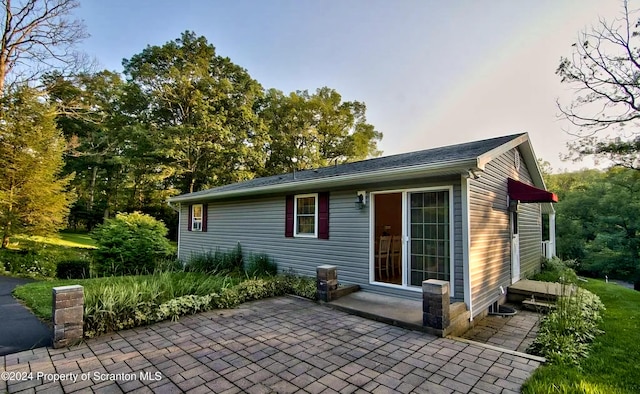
[361,199]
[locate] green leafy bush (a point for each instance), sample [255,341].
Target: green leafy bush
[557,270]
[37,262]
[217,262]
[261,265]
[302,286]
[566,332]
[72,269]
[131,243]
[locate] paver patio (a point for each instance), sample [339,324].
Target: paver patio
[281,345]
[508,332]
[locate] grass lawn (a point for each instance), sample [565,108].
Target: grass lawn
[68,239]
[124,289]
[612,365]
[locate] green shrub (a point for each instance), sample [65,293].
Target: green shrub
[217,262]
[72,269]
[302,286]
[36,262]
[131,243]
[556,270]
[566,332]
[261,265]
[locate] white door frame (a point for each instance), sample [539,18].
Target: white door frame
[405,237]
[515,247]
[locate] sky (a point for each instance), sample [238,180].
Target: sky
[431,73]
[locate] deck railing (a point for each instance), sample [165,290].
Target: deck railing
[547,249]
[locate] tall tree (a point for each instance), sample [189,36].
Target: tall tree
[33,198]
[604,68]
[37,36]
[315,130]
[201,106]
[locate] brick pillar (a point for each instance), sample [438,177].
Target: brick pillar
[68,314]
[327,282]
[435,304]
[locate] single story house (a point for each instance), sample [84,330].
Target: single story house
[469,214]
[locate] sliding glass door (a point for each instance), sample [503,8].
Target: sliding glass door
[411,236]
[429,236]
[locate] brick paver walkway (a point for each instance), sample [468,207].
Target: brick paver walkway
[280,345]
[510,332]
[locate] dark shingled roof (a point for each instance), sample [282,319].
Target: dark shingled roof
[465,151]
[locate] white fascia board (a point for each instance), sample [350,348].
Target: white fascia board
[528,155]
[442,168]
[494,153]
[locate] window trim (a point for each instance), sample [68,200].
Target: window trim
[296,234]
[194,220]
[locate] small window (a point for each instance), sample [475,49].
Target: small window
[306,215]
[516,160]
[196,217]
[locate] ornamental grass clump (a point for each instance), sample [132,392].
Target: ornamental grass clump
[566,332]
[123,302]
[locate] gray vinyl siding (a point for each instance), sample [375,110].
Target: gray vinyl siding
[530,230]
[490,234]
[259,224]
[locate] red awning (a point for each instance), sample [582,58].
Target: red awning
[526,193]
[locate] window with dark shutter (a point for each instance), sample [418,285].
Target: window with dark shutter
[307,216]
[197,220]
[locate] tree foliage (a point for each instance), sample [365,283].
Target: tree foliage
[33,198]
[598,221]
[201,106]
[604,69]
[315,130]
[182,119]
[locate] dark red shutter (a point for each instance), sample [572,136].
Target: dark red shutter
[323,215]
[189,217]
[204,217]
[288,225]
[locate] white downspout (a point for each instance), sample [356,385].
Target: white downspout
[466,242]
[552,233]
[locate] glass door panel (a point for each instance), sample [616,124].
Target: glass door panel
[430,242]
[387,233]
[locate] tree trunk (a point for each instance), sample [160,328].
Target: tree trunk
[92,190]
[636,285]
[5,236]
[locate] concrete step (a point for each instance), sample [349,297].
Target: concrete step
[544,291]
[538,306]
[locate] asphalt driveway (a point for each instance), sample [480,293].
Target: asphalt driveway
[277,345]
[19,328]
